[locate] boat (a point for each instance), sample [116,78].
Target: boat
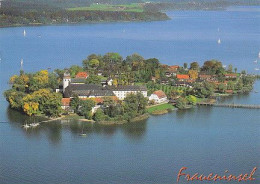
[255,61]
[26,126]
[219,41]
[257,69]
[83,135]
[256,91]
[259,54]
[24,32]
[34,124]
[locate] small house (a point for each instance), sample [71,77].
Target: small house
[158,96]
[65,103]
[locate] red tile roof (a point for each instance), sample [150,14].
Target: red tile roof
[205,76]
[181,76]
[231,75]
[82,75]
[160,94]
[65,101]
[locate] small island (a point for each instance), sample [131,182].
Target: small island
[111,89]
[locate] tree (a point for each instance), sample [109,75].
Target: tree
[94,63]
[181,103]
[112,57]
[49,103]
[93,79]
[191,99]
[222,88]
[134,105]
[211,66]
[53,82]
[86,107]
[31,108]
[75,103]
[203,90]
[15,98]
[74,69]
[194,66]
[99,115]
[193,74]
[230,85]
[185,65]
[235,70]
[230,69]
[39,80]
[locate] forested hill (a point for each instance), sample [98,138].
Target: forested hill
[78,3]
[39,12]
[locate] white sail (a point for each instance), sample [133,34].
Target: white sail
[24,32]
[219,41]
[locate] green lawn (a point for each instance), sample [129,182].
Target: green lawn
[159,107]
[134,7]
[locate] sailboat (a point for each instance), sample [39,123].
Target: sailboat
[219,41]
[24,32]
[259,54]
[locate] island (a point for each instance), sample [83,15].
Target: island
[111,89]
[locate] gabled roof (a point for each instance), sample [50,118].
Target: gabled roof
[82,75]
[128,88]
[65,101]
[231,75]
[181,76]
[78,80]
[160,94]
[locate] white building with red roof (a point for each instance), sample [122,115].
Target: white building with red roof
[158,97]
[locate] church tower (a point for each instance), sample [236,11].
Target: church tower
[66,80]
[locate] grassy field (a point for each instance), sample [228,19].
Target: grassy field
[135,7]
[159,108]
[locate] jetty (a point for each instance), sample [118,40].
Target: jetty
[233,105]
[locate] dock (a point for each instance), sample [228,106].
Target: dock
[233,105]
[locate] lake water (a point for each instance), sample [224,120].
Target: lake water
[203,139]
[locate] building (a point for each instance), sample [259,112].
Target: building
[122,91]
[231,76]
[96,91]
[158,96]
[81,75]
[65,103]
[66,80]
[182,77]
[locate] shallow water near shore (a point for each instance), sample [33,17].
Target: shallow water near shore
[203,139]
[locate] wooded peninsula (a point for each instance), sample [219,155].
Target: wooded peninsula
[32,13]
[110,88]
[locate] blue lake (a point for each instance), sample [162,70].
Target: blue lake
[203,139]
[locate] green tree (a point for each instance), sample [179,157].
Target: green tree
[191,99]
[15,98]
[211,66]
[75,103]
[181,103]
[222,88]
[230,69]
[86,107]
[74,69]
[99,115]
[185,65]
[93,79]
[134,105]
[194,66]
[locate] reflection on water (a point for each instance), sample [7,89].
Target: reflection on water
[54,129]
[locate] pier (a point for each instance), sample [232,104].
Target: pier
[233,105]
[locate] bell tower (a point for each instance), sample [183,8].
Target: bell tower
[66,80]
